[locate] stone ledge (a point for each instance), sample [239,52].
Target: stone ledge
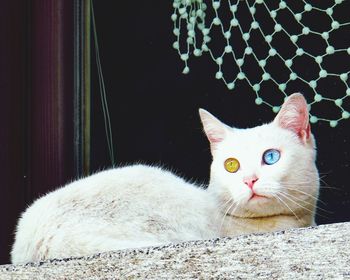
[321,252]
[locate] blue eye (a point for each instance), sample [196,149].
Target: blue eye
[271,156]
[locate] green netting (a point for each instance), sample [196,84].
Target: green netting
[195,21]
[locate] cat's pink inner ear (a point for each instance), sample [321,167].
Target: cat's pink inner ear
[294,116]
[213,128]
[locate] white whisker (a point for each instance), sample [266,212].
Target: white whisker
[305,193]
[223,218]
[221,207]
[297,190]
[301,206]
[309,203]
[284,203]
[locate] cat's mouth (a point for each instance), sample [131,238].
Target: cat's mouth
[256,196]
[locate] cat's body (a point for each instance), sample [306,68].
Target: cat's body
[139,206]
[134,206]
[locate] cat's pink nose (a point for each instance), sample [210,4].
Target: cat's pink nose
[250,181]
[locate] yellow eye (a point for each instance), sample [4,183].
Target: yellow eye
[231,165]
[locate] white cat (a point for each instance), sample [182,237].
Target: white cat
[262,179]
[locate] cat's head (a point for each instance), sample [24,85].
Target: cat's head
[266,170]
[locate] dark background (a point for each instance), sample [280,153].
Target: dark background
[154,107]
[36,114]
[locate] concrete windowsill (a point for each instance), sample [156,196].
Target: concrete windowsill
[321,252]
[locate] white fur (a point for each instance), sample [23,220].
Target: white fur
[290,186]
[120,208]
[139,205]
[293,179]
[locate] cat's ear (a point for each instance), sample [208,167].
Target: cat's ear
[213,128]
[294,115]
